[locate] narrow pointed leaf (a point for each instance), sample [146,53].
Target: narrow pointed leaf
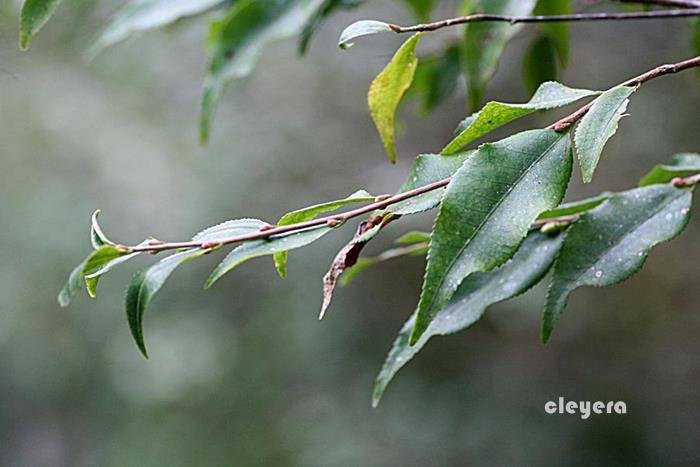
[426,169]
[682,165]
[575,207]
[477,292]
[309,213]
[359,29]
[487,211]
[610,243]
[228,229]
[72,286]
[549,95]
[264,247]
[598,126]
[415,236]
[388,88]
[484,42]
[539,63]
[237,40]
[34,15]
[146,284]
[97,236]
[99,259]
[143,15]
[93,275]
[415,249]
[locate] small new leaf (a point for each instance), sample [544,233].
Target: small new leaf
[101,258]
[610,243]
[34,15]
[487,211]
[388,88]
[598,126]
[575,207]
[359,29]
[548,96]
[309,213]
[474,295]
[682,165]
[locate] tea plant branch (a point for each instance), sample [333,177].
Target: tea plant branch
[384,201]
[576,17]
[667,3]
[662,70]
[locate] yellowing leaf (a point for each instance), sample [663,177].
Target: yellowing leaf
[388,88]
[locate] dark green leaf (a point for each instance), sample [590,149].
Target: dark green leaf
[558,32]
[478,291]
[437,77]
[359,29]
[328,8]
[487,210]
[415,236]
[484,42]
[496,114]
[610,243]
[598,126]
[388,88]
[307,214]
[143,15]
[426,169]
[146,284]
[34,15]
[682,165]
[539,63]
[238,39]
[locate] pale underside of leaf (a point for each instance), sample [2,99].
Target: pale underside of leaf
[359,29]
[610,243]
[598,126]
[487,210]
[311,212]
[388,88]
[143,15]
[478,291]
[549,95]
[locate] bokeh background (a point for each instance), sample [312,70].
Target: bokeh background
[244,374]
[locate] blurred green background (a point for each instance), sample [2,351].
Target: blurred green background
[244,374]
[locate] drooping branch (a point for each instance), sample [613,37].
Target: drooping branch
[576,17]
[385,201]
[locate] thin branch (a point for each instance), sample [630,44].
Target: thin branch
[668,3]
[385,201]
[482,17]
[662,70]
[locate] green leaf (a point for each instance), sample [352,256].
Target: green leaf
[143,15]
[228,229]
[695,40]
[426,169]
[359,29]
[558,32]
[413,237]
[496,114]
[237,40]
[268,246]
[307,214]
[575,207]
[72,286]
[484,41]
[388,88]
[437,77]
[416,249]
[598,126]
[101,258]
[539,63]
[487,211]
[682,165]
[610,243]
[93,275]
[34,15]
[146,284]
[421,8]
[476,293]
